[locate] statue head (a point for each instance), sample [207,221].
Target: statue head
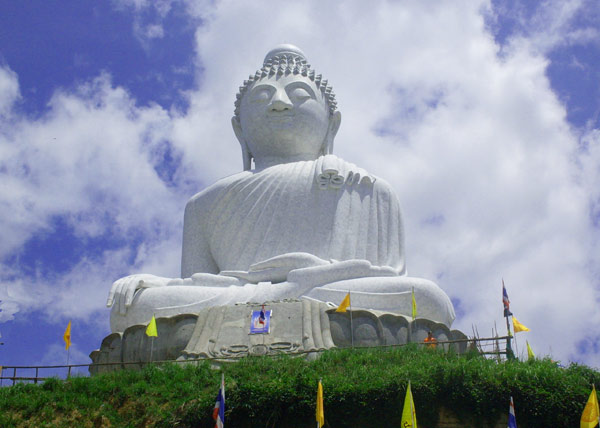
[285,112]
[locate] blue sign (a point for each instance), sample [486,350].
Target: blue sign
[260,322]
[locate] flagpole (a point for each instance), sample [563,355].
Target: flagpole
[412,411]
[509,352]
[151,348]
[508,345]
[321,380]
[68,351]
[351,326]
[412,324]
[516,345]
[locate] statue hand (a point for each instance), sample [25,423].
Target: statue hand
[276,268]
[308,278]
[123,290]
[336,174]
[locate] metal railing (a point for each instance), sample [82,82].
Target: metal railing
[480,345]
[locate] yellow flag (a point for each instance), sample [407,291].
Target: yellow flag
[591,413]
[409,416]
[530,354]
[518,326]
[151,329]
[414,305]
[320,410]
[67,336]
[344,305]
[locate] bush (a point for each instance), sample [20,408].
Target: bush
[360,387]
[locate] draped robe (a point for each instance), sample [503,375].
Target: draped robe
[328,208]
[253,216]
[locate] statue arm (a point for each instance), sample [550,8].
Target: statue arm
[123,290]
[195,254]
[196,258]
[308,270]
[276,269]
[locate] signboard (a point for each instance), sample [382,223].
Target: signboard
[260,322]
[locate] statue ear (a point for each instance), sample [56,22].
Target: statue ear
[246,155]
[334,125]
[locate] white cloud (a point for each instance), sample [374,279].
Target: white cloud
[56,355]
[9,90]
[151,31]
[552,24]
[91,161]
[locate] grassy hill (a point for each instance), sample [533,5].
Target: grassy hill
[362,388]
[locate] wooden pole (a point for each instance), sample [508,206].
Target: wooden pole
[351,326]
[151,348]
[509,352]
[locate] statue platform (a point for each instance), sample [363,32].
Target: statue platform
[296,326]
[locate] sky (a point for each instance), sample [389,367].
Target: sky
[484,116]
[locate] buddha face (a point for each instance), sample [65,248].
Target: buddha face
[284,118]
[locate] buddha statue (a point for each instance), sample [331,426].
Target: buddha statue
[297,222]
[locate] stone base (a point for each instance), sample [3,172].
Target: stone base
[297,327]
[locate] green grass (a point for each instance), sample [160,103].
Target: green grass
[362,388]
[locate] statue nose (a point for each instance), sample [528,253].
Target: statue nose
[280,102]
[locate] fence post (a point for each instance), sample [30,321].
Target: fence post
[14,375]
[36,374]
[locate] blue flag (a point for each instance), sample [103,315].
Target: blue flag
[512,420]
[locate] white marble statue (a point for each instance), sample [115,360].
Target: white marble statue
[297,222]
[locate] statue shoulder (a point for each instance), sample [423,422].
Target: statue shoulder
[207,196]
[335,172]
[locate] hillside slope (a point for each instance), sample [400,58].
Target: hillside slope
[362,388]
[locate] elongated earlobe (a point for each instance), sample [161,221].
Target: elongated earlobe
[246,158]
[246,155]
[334,125]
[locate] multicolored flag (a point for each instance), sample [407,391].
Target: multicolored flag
[219,410]
[67,336]
[151,329]
[320,413]
[345,303]
[591,413]
[414,305]
[409,416]
[262,317]
[505,301]
[512,419]
[518,326]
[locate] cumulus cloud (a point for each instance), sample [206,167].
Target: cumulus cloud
[550,24]
[9,90]
[92,162]
[492,181]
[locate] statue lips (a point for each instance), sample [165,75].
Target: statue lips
[281,118]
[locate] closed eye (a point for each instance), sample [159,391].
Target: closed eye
[299,94]
[262,95]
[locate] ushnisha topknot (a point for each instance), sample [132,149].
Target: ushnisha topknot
[285,60]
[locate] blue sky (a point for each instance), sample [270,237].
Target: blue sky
[484,116]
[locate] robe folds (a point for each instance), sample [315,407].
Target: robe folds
[326,207]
